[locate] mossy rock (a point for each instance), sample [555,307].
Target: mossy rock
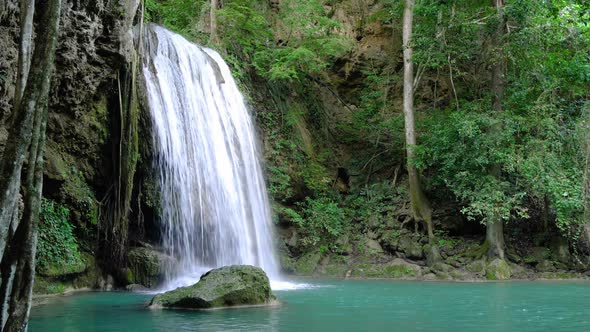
[411,247]
[334,270]
[236,285]
[432,254]
[307,264]
[396,269]
[334,266]
[372,247]
[498,269]
[87,279]
[458,275]
[77,266]
[48,286]
[390,240]
[546,266]
[560,275]
[443,276]
[478,266]
[286,262]
[560,250]
[147,266]
[344,245]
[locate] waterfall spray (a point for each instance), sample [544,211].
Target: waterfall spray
[214,204]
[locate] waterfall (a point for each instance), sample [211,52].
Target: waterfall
[215,209]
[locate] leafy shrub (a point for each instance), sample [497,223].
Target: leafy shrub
[309,44]
[321,221]
[57,249]
[180,16]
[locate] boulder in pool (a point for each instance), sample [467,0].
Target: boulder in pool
[237,285]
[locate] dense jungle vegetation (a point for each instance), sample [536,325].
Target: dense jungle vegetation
[449,136]
[501,95]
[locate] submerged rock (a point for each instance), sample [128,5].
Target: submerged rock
[235,285]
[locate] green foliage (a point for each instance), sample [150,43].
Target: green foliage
[57,249]
[464,148]
[307,42]
[496,164]
[244,28]
[80,196]
[375,206]
[320,222]
[444,240]
[303,44]
[279,185]
[180,16]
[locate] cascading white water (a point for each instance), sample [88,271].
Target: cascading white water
[215,209]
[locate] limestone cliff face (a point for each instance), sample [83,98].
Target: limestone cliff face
[95,43]
[95,40]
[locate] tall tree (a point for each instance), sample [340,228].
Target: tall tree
[421,210]
[494,224]
[28,132]
[21,127]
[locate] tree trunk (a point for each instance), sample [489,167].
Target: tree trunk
[25,239]
[27,11]
[19,135]
[31,116]
[495,225]
[213,18]
[586,188]
[7,269]
[421,210]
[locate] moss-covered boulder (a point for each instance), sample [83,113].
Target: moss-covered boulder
[432,254]
[77,265]
[228,286]
[334,266]
[147,266]
[307,264]
[395,269]
[478,266]
[411,247]
[498,269]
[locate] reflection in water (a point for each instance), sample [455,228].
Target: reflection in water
[342,306]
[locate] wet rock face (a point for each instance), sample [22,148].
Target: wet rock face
[147,266]
[95,41]
[8,56]
[228,286]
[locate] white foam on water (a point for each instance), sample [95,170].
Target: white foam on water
[282,285]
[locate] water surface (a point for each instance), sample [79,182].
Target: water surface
[343,306]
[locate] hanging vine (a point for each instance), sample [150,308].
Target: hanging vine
[116,212]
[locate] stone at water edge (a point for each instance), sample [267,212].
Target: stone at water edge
[236,285]
[498,269]
[147,266]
